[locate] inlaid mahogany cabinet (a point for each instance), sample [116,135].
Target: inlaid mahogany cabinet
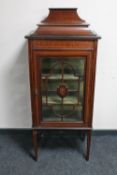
[62,61]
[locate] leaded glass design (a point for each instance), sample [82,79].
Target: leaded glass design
[62,89]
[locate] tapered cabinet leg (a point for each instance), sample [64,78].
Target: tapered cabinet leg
[83,133]
[89,132]
[35,143]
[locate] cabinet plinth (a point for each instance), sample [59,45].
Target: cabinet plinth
[62,62]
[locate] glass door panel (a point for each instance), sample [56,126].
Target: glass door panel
[62,89]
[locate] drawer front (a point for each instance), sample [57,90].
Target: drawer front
[55,44]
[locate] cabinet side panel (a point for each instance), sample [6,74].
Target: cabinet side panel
[92,83]
[32,84]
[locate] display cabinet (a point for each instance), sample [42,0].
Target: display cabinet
[62,61]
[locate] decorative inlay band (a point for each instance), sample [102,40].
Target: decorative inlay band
[62,44]
[62,90]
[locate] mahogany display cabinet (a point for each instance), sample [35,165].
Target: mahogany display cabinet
[62,62]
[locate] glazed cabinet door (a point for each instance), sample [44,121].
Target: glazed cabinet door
[62,89]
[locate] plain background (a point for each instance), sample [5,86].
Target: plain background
[18,18]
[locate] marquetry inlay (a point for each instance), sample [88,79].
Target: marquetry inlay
[62,90]
[62,44]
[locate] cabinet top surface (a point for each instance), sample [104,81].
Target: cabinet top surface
[63,23]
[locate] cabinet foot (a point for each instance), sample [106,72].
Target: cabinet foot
[35,143]
[89,132]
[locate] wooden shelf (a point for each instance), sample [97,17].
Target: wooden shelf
[59,77]
[56,100]
[54,90]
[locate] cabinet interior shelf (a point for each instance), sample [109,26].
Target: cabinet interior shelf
[54,90]
[56,100]
[59,77]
